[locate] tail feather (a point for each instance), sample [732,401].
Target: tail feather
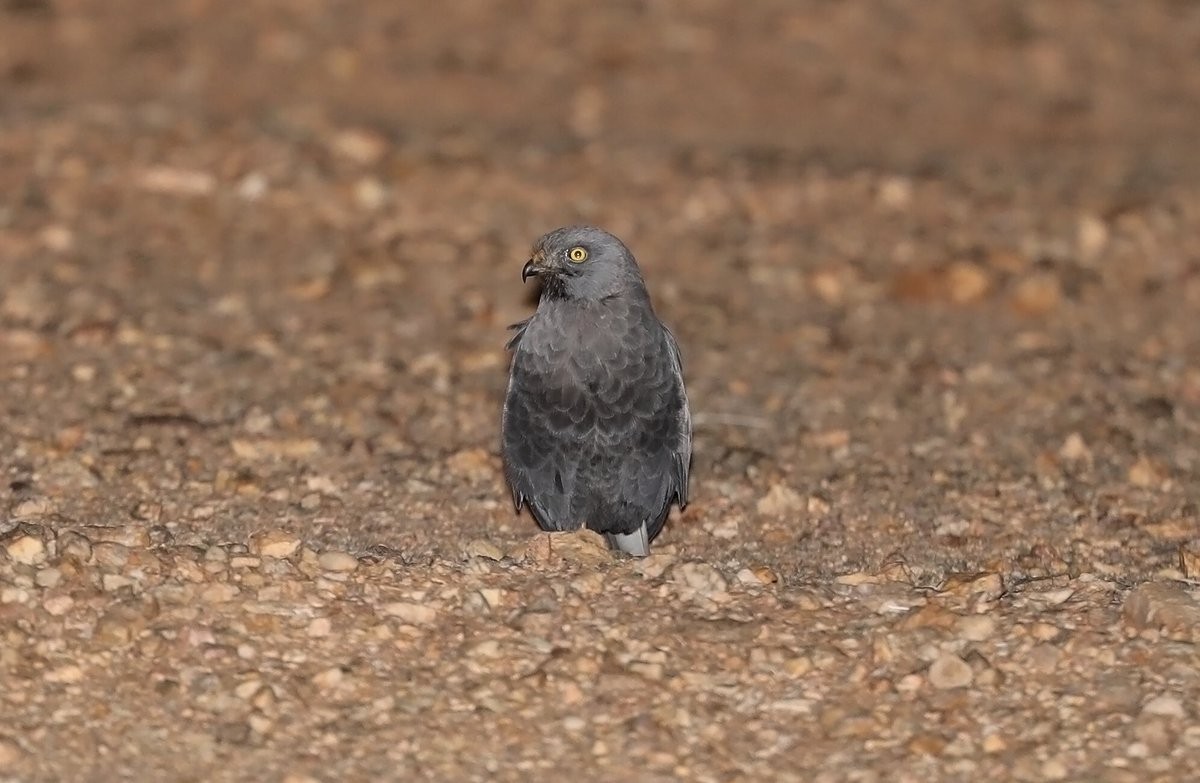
[636,543]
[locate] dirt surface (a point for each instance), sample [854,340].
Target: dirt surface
[936,275]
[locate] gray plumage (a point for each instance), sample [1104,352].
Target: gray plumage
[596,428]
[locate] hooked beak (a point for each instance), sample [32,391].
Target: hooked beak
[534,266]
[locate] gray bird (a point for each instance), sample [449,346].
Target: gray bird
[596,427]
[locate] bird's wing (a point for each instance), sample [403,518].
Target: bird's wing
[519,332]
[538,433]
[683,453]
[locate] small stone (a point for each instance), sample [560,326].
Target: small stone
[329,678]
[1074,449]
[492,596]
[485,649]
[1054,769]
[647,669]
[219,593]
[701,577]
[170,181]
[113,630]
[583,547]
[1091,236]
[11,753]
[484,549]
[68,674]
[1147,473]
[74,545]
[1044,632]
[966,282]
[1038,294]
[248,689]
[319,627]
[31,507]
[994,743]
[132,536]
[1154,732]
[976,627]
[260,724]
[1156,606]
[927,744]
[895,192]
[29,550]
[987,586]
[411,613]
[341,562]
[58,605]
[950,671]
[48,577]
[275,543]
[1165,706]
[1189,560]
[108,554]
[111,583]
[475,464]
[798,666]
[1044,658]
[361,146]
[780,500]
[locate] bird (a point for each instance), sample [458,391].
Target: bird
[596,431]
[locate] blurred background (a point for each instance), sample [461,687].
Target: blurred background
[935,271]
[934,267]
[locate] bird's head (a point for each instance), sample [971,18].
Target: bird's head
[583,263]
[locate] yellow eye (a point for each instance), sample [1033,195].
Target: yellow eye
[577,255]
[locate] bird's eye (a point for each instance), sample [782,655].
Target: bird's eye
[577,255]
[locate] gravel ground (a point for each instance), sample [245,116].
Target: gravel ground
[936,280]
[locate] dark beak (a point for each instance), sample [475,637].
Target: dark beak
[528,270]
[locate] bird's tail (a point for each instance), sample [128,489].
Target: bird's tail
[636,543]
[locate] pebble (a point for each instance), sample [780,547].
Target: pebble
[1165,706]
[10,753]
[275,543]
[1054,769]
[70,673]
[110,583]
[492,596]
[411,613]
[976,627]
[341,562]
[329,678]
[950,671]
[319,627]
[219,592]
[48,577]
[110,554]
[484,549]
[75,545]
[57,605]
[1045,658]
[28,550]
[1156,606]
[780,500]
[701,577]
